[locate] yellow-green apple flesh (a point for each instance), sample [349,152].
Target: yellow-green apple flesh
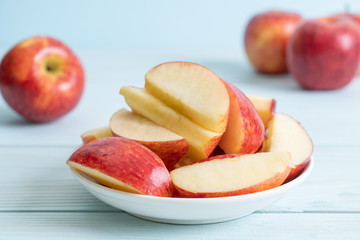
[324,54]
[169,146]
[286,134]
[124,165]
[97,133]
[245,129]
[191,90]
[266,37]
[353,17]
[41,79]
[233,174]
[265,107]
[201,141]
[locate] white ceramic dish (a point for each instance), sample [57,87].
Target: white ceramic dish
[189,210]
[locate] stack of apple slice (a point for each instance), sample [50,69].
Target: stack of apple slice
[184,114]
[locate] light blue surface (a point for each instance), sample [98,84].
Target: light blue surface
[160,24]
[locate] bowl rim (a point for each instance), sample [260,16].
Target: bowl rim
[245,197]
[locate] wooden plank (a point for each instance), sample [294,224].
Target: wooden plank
[37,178]
[118,225]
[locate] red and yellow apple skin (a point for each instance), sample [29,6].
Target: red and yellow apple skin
[266,37]
[126,161]
[245,130]
[324,54]
[41,79]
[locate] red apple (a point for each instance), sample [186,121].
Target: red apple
[232,174]
[324,54]
[245,130]
[266,37]
[265,107]
[287,134]
[169,146]
[353,17]
[41,79]
[123,164]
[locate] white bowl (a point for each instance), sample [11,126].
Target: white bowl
[189,210]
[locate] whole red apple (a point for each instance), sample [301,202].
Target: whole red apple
[266,37]
[324,54]
[41,79]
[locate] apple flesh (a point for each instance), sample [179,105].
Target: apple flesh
[245,129]
[97,133]
[265,107]
[286,134]
[124,165]
[193,91]
[324,54]
[266,37]
[201,141]
[41,79]
[233,174]
[169,146]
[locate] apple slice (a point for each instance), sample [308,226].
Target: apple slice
[286,134]
[245,130]
[192,90]
[233,174]
[169,146]
[124,165]
[201,141]
[94,134]
[265,107]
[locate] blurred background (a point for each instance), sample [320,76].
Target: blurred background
[140,24]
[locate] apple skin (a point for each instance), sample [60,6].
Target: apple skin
[170,152]
[297,170]
[266,37]
[41,79]
[270,183]
[127,161]
[245,129]
[324,54]
[170,147]
[353,17]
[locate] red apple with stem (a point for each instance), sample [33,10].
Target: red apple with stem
[324,54]
[266,37]
[41,79]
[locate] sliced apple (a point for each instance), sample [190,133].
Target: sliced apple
[245,129]
[286,134]
[124,165]
[169,146]
[94,134]
[201,141]
[233,174]
[192,90]
[265,107]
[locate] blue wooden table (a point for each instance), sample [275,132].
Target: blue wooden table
[40,199]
